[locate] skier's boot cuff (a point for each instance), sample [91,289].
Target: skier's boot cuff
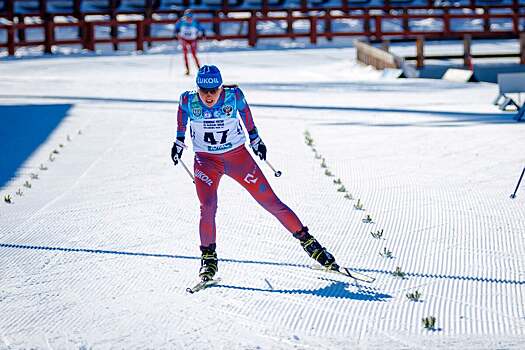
[315,250]
[302,234]
[209,263]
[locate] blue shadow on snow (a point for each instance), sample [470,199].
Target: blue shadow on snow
[22,129]
[336,289]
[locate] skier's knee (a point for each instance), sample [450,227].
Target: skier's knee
[208,208]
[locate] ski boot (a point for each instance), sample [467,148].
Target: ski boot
[209,263]
[315,250]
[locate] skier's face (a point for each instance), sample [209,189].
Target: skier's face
[210,96]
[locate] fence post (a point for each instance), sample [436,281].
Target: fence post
[515,22]
[216,24]
[303,5]
[252,29]
[406,25]
[377,23]
[11,39]
[83,29]
[420,52]
[140,36]
[522,48]
[313,29]
[486,21]
[328,26]
[344,4]
[467,56]
[446,22]
[289,23]
[366,24]
[49,37]
[89,36]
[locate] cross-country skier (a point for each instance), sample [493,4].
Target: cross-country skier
[218,141]
[189,31]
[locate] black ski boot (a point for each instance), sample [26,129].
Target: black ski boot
[315,250]
[209,263]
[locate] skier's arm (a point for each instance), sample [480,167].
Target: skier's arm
[259,148]
[200,28]
[182,120]
[182,116]
[245,112]
[177,28]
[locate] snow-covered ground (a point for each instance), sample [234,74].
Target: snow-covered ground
[99,251]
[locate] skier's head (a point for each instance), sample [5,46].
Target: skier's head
[209,77]
[209,81]
[188,13]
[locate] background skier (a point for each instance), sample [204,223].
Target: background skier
[189,31]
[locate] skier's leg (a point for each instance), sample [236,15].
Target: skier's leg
[208,172]
[193,48]
[240,166]
[184,44]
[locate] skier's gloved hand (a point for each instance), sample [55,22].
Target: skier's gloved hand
[176,150]
[259,148]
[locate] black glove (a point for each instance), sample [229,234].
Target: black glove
[259,148]
[176,150]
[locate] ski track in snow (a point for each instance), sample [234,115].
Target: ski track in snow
[99,252]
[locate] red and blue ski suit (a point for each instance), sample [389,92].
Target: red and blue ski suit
[218,141]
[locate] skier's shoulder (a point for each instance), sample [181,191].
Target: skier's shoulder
[232,88]
[186,95]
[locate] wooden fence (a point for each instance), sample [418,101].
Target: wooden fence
[320,25]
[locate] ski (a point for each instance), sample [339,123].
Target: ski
[345,271]
[203,285]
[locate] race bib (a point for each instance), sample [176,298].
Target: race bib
[217,129]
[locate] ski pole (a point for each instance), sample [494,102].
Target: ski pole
[277,173]
[184,165]
[518,185]
[187,170]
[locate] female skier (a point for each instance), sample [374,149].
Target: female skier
[218,141]
[188,31]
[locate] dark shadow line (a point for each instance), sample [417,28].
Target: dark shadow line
[453,277]
[169,256]
[271,263]
[281,106]
[84,98]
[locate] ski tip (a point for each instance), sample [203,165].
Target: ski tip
[357,276]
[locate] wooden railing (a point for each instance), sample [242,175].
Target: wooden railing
[372,28]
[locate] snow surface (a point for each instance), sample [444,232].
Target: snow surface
[99,251]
